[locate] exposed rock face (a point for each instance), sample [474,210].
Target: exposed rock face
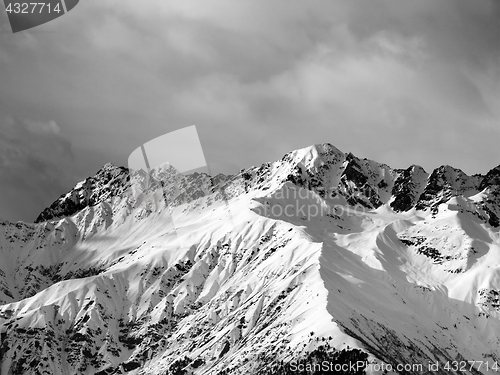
[111,181]
[407,187]
[191,274]
[444,183]
[492,178]
[108,182]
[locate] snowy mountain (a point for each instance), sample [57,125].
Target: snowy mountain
[317,258]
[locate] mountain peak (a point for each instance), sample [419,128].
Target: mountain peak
[417,168]
[109,166]
[313,154]
[109,181]
[326,149]
[491,178]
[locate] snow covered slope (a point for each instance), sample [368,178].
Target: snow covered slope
[317,256]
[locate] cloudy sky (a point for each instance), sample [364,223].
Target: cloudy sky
[400,82]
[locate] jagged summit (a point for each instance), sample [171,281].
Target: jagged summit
[491,178]
[322,168]
[109,181]
[314,154]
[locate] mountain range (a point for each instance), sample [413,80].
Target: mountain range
[318,259]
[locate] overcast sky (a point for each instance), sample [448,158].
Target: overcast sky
[400,82]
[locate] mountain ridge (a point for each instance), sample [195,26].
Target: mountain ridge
[109,175]
[318,256]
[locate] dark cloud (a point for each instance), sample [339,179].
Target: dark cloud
[401,82]
[34,161]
